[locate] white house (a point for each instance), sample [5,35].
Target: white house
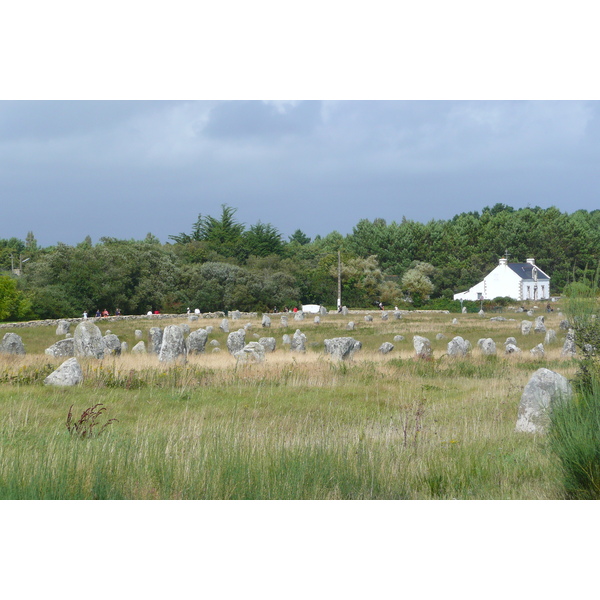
[521,281]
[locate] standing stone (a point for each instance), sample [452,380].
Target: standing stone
[397,315]
[538,351]
[235,315]
[139,348]
[251,352]
[299,316]
[112,345]
[539,326]
[386,348]
[298,342]
[564,325]
[185,327]
[236,341]
[526,327]
[62,348]
[341,348]
[464,310]
[457,347]
[569,348]
[214,343]
[530,313]
[398,338]
[12,344]
[193,318]
[88,340]
[173,345]
[286,340]
[209,329]
[124,347]
[345,310]
[284,320]
[63,327]
[510,340]
[481,313]
[511,349]
[322,311]
[268,343]
[138,334]
[440,336]
[455,321]
[368,318]
[266,321]
[196,341]
[550,337]
[224,326]
[317,320]
[155,338]
[422,346]
[544,389]
[487,346]
[69,373]
[350,326]
[384,316]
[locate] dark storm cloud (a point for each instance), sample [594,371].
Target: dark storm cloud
[122,169]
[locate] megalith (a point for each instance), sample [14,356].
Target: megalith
[12,344]
[62,348]
[236,341]
[88,340]
[68,374]
[173,345]
[422,346]
[196,341]
[341,348]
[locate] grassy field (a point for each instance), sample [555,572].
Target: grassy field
[298,426]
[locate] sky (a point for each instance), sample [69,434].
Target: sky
[72,168]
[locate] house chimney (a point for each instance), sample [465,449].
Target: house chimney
[531,261]
[503,261]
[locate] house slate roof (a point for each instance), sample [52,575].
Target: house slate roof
[523,270]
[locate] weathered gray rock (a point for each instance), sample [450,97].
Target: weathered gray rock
[268,343]
[539,326]
[215,350]
[224,326]
[530,313]
[214,343]
[185,327]
[322,311]
[68,335]
[422,346]
[112,345]
[139,348]
[68,374]
[345,310]
[511,349]
[340,348]
[173,345]
[538,351]
[286,340]
[440,336]
[88,340]
[487,346]
[192,318]
[62,327]
[564,325]
[398,338]
[455,321]
[497,319]
[350,326]
[138,334]
[248,326]
[284,320]
[251,352]
[235,315]
[266,321]
[209,329]
[569,348]
[155,338]
[397,315]
[196,341]
[236,341]
[12,344]
[62,348]
[550,337]
[544,389]
[526,327]
[124,347]
[357,346]
[510,340]
[464,310]
[317,320]
[368,318]
[384,316]
[298,342]
[457,347]
[256,336]
[520,309]
[299,316]
[481,313]
[386,348]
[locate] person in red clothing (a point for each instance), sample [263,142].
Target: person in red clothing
[105,313]
[295,309]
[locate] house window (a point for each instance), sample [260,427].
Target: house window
[479,296]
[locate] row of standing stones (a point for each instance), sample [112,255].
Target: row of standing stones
[544,388]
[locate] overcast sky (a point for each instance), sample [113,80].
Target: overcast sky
[125,168]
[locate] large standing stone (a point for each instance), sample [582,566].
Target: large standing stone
[455,321]
[422,346]
[209,329]
[341,348]
[193,318]
[539,326]
[526,327]
[124,347]
[564,325]
[487,346]
[185,327]
[62,348]
[481,313]
[155,338]
[457,347]
[251,352]
[386,348]
[224,326]
[236,341]
[196,341]
[69,373]
[322,311]
[368,318]
[550,337]
[235,315]
[384,316]
[345,310]
[284,320]
[12,344]
[530,313]
[266,321]
[138,334]
[397,314]
[298,342]
[268,343]
[299,316]
[511,349]
[544,389]
[214,343]
[88,340]
[350,326]
[510,340]
[317,320]
[440,336]
[112,345]
[538,351]
[398,338]
[569,348]
[63,327]
[286,340]
[139,348]
[173,345]
[464,310]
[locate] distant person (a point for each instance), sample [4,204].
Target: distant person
[157,312]
[197,311]
[295,309]
[149,313]
[105,313]
[98,314]
[118,312]
[188,310]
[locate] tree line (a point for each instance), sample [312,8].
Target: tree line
[222,264]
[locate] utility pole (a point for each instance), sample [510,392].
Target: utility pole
[339,302]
